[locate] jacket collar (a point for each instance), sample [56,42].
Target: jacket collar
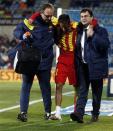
[29,26]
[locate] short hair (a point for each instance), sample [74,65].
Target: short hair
[87,10]
[64,18]
[47,5]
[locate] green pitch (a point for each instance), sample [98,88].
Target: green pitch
[9,97]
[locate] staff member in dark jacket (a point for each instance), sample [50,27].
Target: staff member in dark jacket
[42,35]
[92,63]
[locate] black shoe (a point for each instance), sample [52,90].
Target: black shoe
[75,116]
[94,118]
[22,117]
[47,116]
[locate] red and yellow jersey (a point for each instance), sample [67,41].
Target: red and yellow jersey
[68,41]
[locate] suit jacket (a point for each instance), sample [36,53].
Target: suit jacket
[96,52]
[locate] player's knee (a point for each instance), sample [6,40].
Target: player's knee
[59,87]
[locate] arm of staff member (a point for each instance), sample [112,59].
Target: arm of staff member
[90,31]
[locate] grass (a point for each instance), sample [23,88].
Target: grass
[9,96]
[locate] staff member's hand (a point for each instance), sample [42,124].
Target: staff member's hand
[27,35]
[90,31]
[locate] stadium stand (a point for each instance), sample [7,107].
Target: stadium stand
[21,8]
[13,11]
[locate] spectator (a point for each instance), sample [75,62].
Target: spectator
[30,3]
[23,4]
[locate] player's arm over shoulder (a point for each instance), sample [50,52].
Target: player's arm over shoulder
[54,20]
[74,24]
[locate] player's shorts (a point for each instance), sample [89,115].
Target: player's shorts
[65,71]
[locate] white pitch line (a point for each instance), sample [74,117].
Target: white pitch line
[30,103]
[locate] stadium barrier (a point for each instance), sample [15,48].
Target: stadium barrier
[7,75]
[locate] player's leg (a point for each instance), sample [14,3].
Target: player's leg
[75,96]
[58,99]
[60,78]
[72,77]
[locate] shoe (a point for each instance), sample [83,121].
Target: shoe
[55,117]
[47,116]
[22,117]
[75,116]
[94,118]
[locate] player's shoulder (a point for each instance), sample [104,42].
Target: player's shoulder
[54,20]
[74,24]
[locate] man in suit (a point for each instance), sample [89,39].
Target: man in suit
[92,63]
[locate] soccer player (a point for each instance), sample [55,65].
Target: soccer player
[65,38]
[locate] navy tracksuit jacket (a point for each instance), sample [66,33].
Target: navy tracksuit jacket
[42,39]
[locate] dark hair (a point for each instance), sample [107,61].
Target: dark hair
[87,10]
[65,19]
[47,5]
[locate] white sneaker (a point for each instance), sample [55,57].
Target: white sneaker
[55,117]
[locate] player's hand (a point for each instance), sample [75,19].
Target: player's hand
[30,21]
